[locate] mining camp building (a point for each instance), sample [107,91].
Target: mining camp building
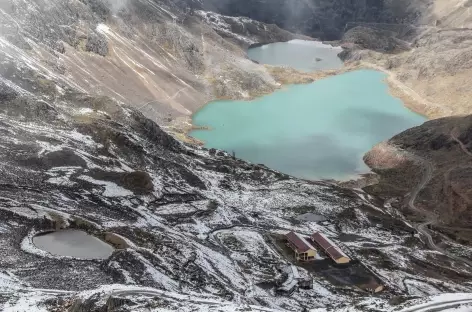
[304,250]
[372,286]
[333,251]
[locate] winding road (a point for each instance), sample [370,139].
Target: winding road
[422,228]
[141,291]
[438,306]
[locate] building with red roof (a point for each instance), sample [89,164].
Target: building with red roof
[330,248]
[304,250]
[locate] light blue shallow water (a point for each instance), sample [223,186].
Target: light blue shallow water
[313,131]
[300,54]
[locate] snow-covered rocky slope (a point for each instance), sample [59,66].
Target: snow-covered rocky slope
[194,229]
[192,221]
[159,56]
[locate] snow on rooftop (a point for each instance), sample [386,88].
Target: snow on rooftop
[304,240]
[333,244]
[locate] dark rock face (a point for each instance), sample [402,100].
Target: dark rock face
[139,182]
[97,43]
[62,158]
[374,39]
[445,143]
[196,226]
[325,19]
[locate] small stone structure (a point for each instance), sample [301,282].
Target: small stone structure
[294,279]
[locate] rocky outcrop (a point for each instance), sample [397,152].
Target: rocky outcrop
[379,40]
[245,31]
[174,58]
[325,19]
[446,144]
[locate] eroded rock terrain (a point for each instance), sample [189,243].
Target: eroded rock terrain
[174,58]
[443,143]
[191,221]
[82,85]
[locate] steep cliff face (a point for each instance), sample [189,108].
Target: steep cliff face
[429,64]
[324,19]
[174,59]
[446,145]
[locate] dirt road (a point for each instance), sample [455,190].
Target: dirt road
[438,306]
[431,218]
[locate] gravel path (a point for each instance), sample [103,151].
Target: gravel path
[422,228]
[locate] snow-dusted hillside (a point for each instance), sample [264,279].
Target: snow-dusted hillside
[172,60]
[195,221]
[194,229]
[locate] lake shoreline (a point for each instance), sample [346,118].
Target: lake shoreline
[286,76]
[357,104]
[409,101]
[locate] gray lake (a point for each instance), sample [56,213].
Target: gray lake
[73,243]
[299,54]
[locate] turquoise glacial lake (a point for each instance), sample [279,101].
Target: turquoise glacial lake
[300,54]
[313,131]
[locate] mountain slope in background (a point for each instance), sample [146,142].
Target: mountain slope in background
[193,228]
[425,45]
[325,19]
[328,19]
[161,57]
[184,220]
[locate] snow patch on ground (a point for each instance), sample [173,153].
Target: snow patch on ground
[111,189]
[4,228]
[219,23]
[442,300]
[30,303]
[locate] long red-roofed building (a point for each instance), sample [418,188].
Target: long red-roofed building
[304,250]
[330,248]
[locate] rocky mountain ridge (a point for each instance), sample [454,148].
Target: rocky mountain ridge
[172,57]
[429,68]
[82,85]
[325,19]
